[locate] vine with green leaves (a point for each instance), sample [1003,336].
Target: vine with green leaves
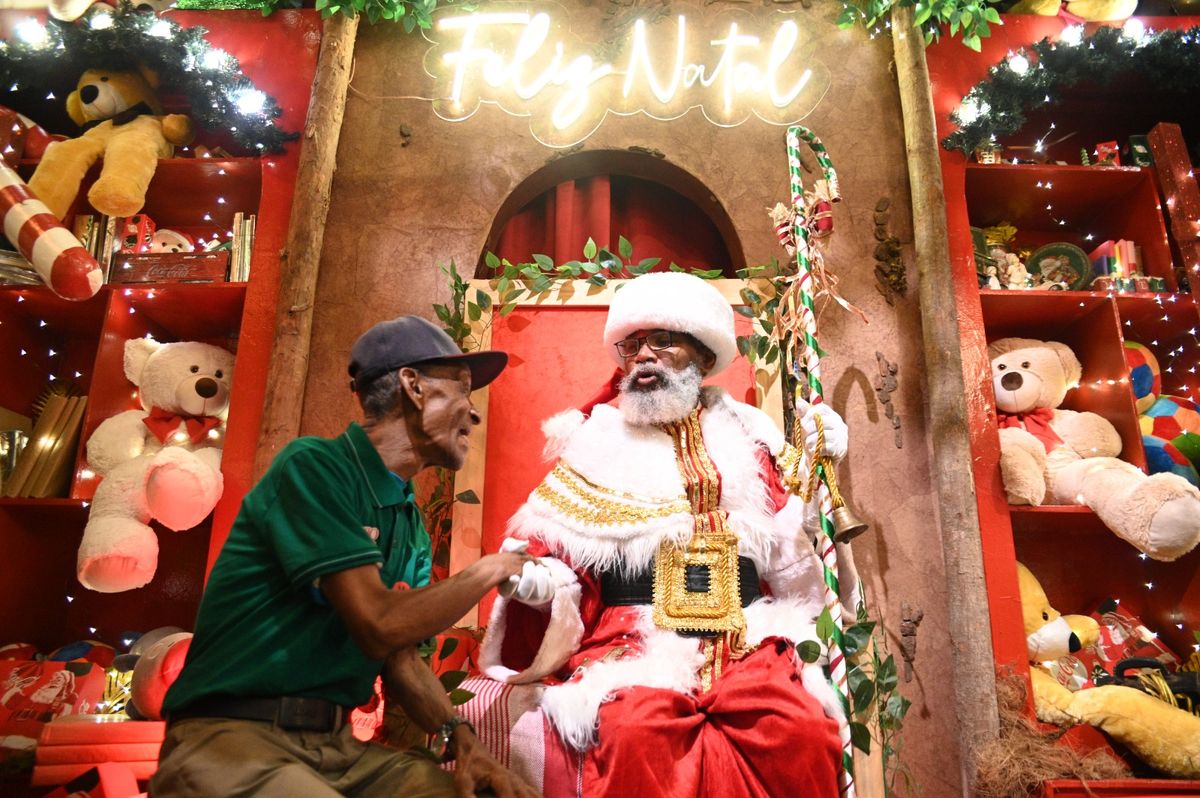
[972,17]
[876,701]
[875,698]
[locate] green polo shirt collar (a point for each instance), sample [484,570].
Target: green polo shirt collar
[386,488]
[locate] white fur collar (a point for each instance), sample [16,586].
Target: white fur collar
[640,462]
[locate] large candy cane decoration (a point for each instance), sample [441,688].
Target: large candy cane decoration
[56,254]
[810,375]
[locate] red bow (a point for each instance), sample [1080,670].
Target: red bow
[1036,422]
[163,423]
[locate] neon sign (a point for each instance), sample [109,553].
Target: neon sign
[530,66]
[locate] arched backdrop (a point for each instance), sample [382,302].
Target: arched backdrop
[413,192]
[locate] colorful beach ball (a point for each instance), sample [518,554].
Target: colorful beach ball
[1177,421]
[1144,374]
[92,651]
[1162,457]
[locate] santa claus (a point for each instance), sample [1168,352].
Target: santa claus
[676,574]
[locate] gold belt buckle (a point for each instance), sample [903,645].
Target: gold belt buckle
[717,609]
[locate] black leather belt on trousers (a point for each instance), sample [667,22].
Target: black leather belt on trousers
[293,713]
[622,591]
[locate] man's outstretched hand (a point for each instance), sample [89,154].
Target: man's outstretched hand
[476,769]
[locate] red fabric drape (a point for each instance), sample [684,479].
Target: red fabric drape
[657,221]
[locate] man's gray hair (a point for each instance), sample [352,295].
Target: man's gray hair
[382,395]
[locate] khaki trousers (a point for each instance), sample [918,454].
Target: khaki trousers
[227,758]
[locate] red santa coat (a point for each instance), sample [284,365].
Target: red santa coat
[626,698]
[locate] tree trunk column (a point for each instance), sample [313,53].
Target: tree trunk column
[301,258]
[970,622]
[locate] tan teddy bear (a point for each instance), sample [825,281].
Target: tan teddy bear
[1160,734]
[124,124]
[1067,457]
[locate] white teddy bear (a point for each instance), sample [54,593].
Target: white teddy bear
[1068,457]
[162,463]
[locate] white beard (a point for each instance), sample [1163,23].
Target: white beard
[676,394]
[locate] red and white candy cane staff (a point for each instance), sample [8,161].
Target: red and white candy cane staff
[56,254]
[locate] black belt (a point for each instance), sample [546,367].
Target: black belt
[617,590]
[294,713]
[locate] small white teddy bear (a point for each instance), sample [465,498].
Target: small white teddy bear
[162,463]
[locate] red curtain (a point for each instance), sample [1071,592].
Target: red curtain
[657,221]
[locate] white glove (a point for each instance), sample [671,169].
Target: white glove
[836,434]
[534,585]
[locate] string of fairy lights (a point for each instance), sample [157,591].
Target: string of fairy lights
[45,59]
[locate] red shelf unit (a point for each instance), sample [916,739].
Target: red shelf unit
[1076,558]
[46,605]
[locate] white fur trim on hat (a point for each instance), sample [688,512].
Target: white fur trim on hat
[673,301]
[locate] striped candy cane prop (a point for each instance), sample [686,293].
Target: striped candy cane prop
[800,307]
[56,254]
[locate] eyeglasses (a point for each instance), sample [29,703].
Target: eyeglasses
[657,341]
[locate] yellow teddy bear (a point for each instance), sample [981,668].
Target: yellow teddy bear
[1160,734]
[124,124]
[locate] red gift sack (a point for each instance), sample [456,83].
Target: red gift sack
[34,693]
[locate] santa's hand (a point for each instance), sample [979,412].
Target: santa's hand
[836,434]
[513,544]
[534,586]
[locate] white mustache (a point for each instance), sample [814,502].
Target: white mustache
[645,370]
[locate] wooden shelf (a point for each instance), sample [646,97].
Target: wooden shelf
[1080,562]
[1080,205]
[43,504]
[1119,788]
[1010,192]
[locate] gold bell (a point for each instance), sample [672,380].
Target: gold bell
[846,525]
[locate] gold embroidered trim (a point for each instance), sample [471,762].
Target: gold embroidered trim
[700,477]
[571,478]
[587,504]
[713,547]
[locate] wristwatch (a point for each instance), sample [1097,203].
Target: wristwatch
[446,731]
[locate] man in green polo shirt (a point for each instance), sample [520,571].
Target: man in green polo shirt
[323,584]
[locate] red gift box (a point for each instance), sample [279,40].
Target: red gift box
[73,745]
[102,730]
[1122,636]
[134,233]
[110,780]
[1108,153]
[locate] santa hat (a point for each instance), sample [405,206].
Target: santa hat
[673,301]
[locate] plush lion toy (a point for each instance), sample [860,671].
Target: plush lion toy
[124,124]
[1160,734]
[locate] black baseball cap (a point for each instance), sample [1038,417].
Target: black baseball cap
[411,341]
